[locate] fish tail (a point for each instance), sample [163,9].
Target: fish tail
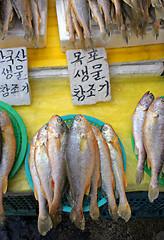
[153,193]
[77,217]
[3,34]
[105,36]
[124,33]
[2,213]
[44,225]
[113,212]
[94,211]
[155,29]
[55,213]
[139,176]
[124,211]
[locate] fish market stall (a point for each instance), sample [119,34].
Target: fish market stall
[133,71]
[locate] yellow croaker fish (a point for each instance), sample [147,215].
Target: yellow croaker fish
[111,138]
[56,147]
[23,10]
[120,20]
[42,164]
[153,136]
[6,16]
[44,220]
[80,165]
[138,118]
[99,19]
[96,180]
[36,18]
[8,157]
[105,8]
[78,29]
[107,177]
[69,25]
[81,10]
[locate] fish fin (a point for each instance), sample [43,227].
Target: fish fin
[125,180]
[77,217]
[148,163]
[139,176]
[113,212]
[5,184]
[94,211]
[52,184]
[55,214]
[124,211]
[35,194]
[88,189]
[153,193]
[83,144]
[44,225]
[58,144]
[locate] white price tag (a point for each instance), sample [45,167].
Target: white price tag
[89,76]
[14,84]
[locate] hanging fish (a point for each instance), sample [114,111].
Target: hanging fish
[6,16]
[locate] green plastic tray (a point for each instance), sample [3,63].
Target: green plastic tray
[100,198]
[20,136]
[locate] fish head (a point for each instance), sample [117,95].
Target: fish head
[57,125]
[80,124]
[108,132]
[146,100]
[158,106]
[95,130]
[5,119]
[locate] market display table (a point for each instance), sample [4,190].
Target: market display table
[52,96]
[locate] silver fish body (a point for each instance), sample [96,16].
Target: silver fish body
[118,169]
[44,220]
[153,136]
[80,165]
[56,147]
[138,118]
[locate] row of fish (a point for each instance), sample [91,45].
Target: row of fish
[148,134]
[7,156]
[126,14]
[27,11]
[75,162]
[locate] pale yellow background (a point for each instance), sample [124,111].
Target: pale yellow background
[51,96]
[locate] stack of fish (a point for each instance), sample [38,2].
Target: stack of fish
[7,156]
[76,162]
[126,14]
[148,134]
[27,11]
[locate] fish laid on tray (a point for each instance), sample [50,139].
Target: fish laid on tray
[130,17]
[153,136]
[138,118]
[75,162]
[27,11]
[148,134]
[8,150]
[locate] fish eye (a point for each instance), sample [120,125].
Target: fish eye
[151,96]
[105,128]
[59,120]
[78,119]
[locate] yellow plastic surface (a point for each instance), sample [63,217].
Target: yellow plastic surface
[53,97]
[51,56]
